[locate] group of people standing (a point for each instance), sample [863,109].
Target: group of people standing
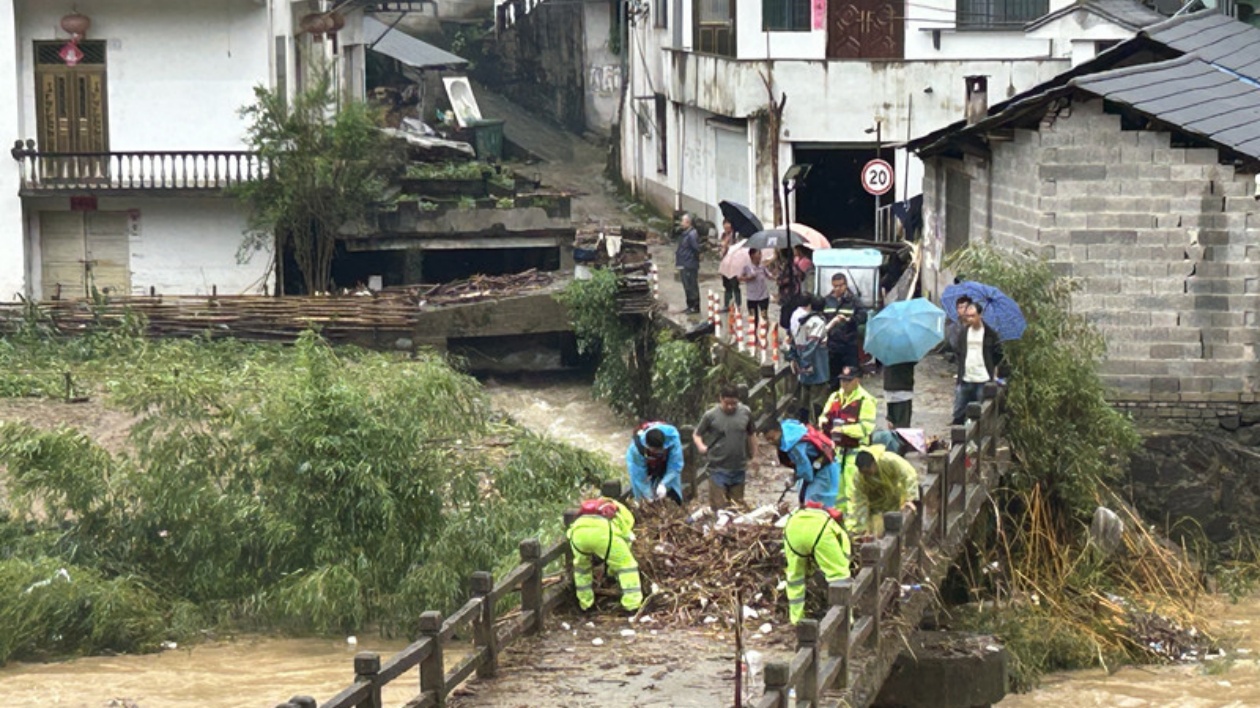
[846,470]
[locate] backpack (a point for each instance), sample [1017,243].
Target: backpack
[826,449]
[598,507]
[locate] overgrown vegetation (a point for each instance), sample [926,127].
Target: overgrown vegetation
[620,349]
[644,372]
[1060,602]
[461,171]
[327,168]
[297,487]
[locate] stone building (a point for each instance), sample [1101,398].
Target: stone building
[1135,173]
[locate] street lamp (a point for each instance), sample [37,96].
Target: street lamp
[793,177]
[879,145]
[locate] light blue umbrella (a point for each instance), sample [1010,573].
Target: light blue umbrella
[905,331]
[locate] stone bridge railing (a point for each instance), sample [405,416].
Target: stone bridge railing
[852,650]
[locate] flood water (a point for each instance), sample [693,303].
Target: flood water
[561,406]
[1232,682]
[249,672]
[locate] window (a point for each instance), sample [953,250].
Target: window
[715,27]
[957,210]
[786,15]
[660,13]
[662,134]
[995,14]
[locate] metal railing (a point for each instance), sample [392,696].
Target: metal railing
[102,172]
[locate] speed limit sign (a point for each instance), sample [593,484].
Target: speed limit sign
[877,177]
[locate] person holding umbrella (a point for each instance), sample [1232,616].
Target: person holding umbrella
[730,284]
[899,336]
[979,358]
[988,318]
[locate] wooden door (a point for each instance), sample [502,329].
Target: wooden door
[73,112]
[866,29]
[79,251]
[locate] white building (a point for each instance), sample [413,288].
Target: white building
[704,75]
[124,154]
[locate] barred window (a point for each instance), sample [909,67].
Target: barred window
[787,15]
[47,53]
[993,14]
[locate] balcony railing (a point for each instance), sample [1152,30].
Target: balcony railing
[103,172]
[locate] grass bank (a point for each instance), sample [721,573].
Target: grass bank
[301,488]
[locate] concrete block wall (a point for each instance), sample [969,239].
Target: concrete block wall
[1165,242]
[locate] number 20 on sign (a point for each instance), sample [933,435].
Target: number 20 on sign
[877,177]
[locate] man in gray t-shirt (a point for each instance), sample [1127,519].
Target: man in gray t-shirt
[725,436]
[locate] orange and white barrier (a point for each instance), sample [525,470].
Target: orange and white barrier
[774,346]
[751,339]
[655,277]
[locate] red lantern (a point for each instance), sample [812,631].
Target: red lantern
[76,25]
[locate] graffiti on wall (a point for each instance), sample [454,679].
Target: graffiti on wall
[605,79]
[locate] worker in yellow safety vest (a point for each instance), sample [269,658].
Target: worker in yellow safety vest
[604,529]
[815,533]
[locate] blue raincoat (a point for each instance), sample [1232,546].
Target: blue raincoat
[636,463]
[821,485]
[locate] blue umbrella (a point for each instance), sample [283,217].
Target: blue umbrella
[1000,311]
[904,331]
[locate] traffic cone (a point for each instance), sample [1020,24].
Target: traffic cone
[730,324]
[741,343]
[753,349]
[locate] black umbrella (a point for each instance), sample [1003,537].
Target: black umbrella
[741,217]
[775,238]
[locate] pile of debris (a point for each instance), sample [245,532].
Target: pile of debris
[478,287]
[695,564]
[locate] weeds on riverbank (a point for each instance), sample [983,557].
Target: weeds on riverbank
[645,371]
[298,487]
[1053,595]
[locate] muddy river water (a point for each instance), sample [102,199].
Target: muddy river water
[256,671]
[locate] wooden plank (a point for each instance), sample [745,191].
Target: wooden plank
[464,615]
[510,583]
[554,597]
[425,700]
[861,632]
[862,583]
[829,672]
[350,697]
[802,661]
[554,552]
[406,660]
[511,631]
[464,669]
